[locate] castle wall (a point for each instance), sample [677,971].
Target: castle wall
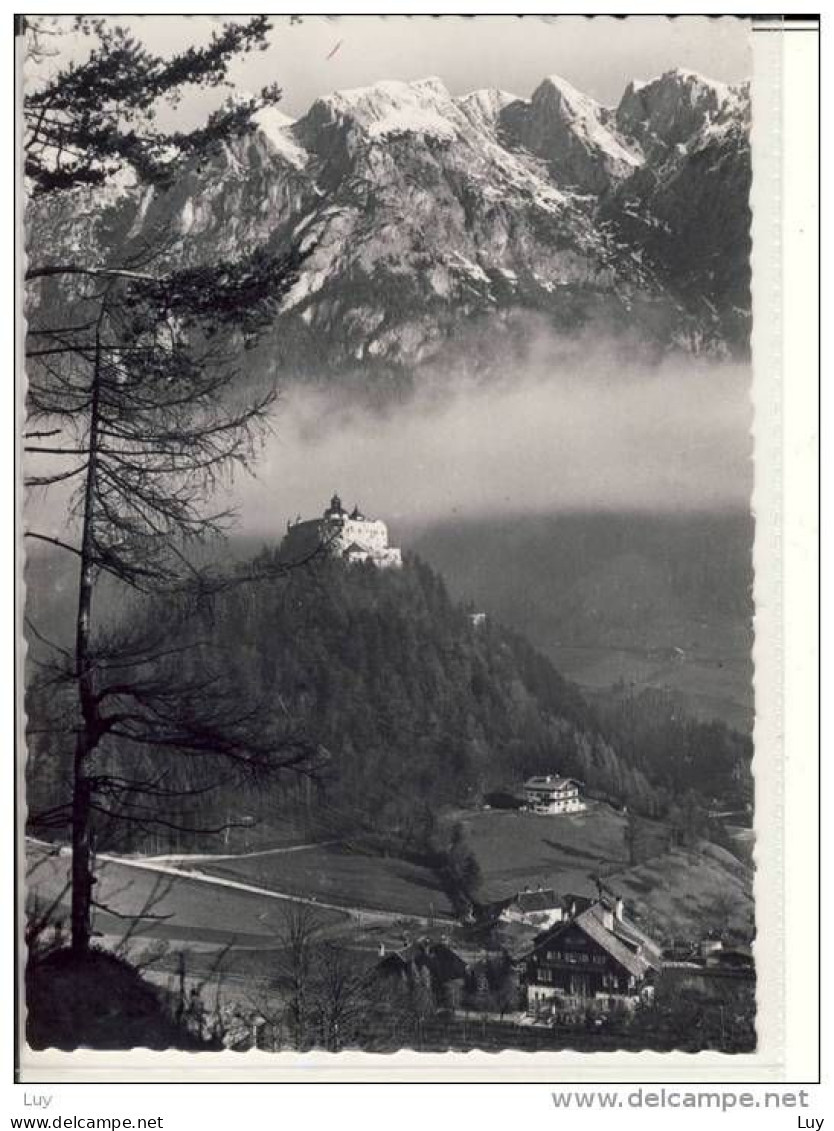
[302,540]
[370,535]
[338,535]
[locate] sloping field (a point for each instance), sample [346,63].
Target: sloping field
[517,849]
[675,893]
[688,893]
[335,874]
[192,911]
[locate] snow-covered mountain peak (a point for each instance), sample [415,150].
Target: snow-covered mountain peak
[670,110]
[558,91]
[571,132]
[270,117]
[483,107]
[391,107]
[427,216]
[686,77]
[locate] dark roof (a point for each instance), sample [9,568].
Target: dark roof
[590,922]
[628,954]
[732,956]
[576,902]
[443,963]
[355,548]
[549,783]
[487,912]
[392,963]
[542,900]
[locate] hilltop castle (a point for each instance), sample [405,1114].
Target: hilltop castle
[351,537]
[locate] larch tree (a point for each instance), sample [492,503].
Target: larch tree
[134,405]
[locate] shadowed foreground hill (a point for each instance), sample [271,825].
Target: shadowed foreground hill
[100,1002]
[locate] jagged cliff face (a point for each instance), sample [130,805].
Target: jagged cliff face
[573,135]
[440,224]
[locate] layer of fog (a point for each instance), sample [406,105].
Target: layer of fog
[595,436]
[571,428]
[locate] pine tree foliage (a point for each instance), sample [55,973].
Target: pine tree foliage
[91,119]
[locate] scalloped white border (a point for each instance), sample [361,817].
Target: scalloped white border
[785,915]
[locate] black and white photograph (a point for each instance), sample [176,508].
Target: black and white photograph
[388,470]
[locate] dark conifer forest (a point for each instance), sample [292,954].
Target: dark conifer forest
[409,706]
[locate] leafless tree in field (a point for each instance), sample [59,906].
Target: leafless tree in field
[295,972]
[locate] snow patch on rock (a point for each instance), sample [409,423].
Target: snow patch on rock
[483,107]
[392,107]
[277,129]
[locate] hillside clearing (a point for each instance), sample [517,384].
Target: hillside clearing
[516,849]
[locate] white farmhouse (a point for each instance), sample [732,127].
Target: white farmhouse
[541,908]
[553,794]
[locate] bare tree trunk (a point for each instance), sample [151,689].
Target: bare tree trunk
[82,877]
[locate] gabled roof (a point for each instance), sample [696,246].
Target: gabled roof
[633,935]
[630,954]
[355,548]
[549,783]
[444,963]
[393,963]
[487,912]
[595,929]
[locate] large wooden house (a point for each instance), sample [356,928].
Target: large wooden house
[595,958]
[553,794]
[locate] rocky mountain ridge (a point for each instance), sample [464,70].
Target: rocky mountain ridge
[437,226]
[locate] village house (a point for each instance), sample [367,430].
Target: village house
[553,794]
[539,908]
[594,959]
[434,965]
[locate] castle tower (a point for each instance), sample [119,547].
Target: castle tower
[335,509]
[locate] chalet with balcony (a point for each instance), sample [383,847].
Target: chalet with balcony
[551,793]
[594,959]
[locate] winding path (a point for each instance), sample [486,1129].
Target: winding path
[160,866]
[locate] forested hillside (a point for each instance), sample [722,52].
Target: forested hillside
[659,601]
[410,706]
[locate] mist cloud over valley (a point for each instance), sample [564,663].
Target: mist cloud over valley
[592,435]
